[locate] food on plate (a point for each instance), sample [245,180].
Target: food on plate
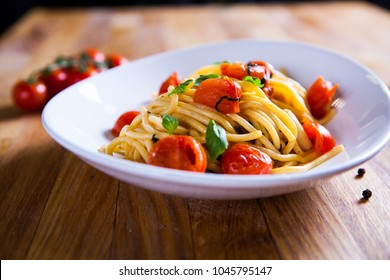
[33,93]
[231,118]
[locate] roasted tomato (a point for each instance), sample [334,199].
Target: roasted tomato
[234,70]
[172,80]
[179,152]
[255,68]
[30,95]
[321,138]
[244,159]
[320,97]
[124,119]
[223,94]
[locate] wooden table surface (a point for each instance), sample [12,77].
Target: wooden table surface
[55,206]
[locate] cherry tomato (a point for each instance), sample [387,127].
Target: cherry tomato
[244,159]
[88,72]
[179,152]
[55,80]
[257,69]
[268,70]
[29,95]
[76,75]
[240,70]
[94,54]
[114,60]
[320,96]
[172,80]
[321,138]
[220,93]
[234,70]
[124,119]
[63,72]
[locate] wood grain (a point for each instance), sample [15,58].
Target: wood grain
[54,206]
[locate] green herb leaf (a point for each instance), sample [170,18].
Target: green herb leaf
[216,140]
[254,80]
[205,77]
[181,88]
[170,123]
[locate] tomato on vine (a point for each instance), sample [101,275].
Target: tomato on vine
[94,55]
[114,60]
[30,95]
[75,75]
[55,80]
[63,72]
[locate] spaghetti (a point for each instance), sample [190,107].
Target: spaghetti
[272,116]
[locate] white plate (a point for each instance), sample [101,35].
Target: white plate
[80,117]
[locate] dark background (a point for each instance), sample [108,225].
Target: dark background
[12,10]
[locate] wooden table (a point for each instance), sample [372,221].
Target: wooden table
[54,206]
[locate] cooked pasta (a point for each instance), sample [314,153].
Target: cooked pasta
[269,121]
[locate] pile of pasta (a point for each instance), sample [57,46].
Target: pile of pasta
[269,121]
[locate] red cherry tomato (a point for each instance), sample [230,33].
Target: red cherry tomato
[88,72]
[268,69]
[321,138]
[29,95]
[257,69]
[221,93]
[240,70]
[55,80]
[124,119]
[114,60]
[234,70]
[320,96]
[244,159]
[172,80]
[76,75]
[94,54]
[179,152]
[63,72]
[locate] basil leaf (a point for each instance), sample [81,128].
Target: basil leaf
[205,77]
[170,123]
[254,80]
[181,88]
[216,140]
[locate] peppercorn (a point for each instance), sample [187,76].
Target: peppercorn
[361,172]
[367,193]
